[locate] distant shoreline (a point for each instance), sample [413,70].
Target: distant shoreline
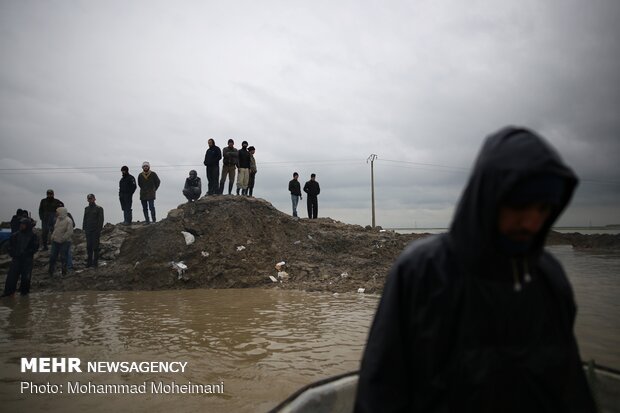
[608,229]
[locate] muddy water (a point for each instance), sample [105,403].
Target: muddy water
[595,277]
[261,344]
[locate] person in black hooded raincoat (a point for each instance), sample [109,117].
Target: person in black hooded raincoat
[478,319]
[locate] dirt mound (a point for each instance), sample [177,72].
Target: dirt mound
[585,241]
[238,242]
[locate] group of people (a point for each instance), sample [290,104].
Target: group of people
[479,319]
[312,190]
[57,229]
[234,161]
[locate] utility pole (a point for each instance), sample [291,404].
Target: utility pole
[372,158]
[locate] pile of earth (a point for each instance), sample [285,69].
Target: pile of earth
[597,242]
[238,242]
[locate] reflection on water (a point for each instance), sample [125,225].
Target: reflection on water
[264,344]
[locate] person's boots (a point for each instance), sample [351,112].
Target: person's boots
[89,260]
[238,190]
[96,259]
[230,185]
[63,268]
[146,216]
[250,190]
[153,216]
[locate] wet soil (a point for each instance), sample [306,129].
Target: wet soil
[238,242]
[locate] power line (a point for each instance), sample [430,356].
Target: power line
[458,168]
[112,169]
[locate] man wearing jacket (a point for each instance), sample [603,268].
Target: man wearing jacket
[212,162]
[149,182]
[22,246]
[230,162]
[92,226]
[47,215]
[193,186]
[126,188]
[480,319]
[253,170]
[313,190]
[244,169]
[295,189]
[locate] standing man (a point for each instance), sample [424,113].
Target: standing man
[16,220]
[480,319]
[22,246]
[230,157]
[313,190]
[92,226]
[193,186]
[244,169]
[252,179]
[126,188]
[212,162]
[295,188]
[47,214]
[148,181]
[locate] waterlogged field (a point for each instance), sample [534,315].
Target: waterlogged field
[222,350]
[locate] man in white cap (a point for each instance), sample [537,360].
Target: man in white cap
[148,181]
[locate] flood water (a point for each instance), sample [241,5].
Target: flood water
[261,344]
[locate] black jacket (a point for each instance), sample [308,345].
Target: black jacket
[244,158]
[127,185]
[452,335]
[23,244]
[93,218]
[15,223]
[295,187]
[47,208]
[312,188]
[213,156]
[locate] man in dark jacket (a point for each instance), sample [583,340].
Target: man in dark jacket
[92,226]
[15,220]
[295,189]
[313,190]
[47,214]
[126,188]
[22,246]
[193,186]
[244,169]
[480,319]
[212,162]
[253,170]
[230,161]
[149,182]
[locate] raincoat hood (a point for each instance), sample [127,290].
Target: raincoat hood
[508,158]
[62,212]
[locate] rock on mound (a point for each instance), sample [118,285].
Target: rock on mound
[238,242]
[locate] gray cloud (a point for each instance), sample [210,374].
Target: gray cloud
[316,87]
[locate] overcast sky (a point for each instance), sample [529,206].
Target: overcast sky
[316,86]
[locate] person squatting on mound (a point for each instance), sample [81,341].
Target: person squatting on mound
[193,186]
